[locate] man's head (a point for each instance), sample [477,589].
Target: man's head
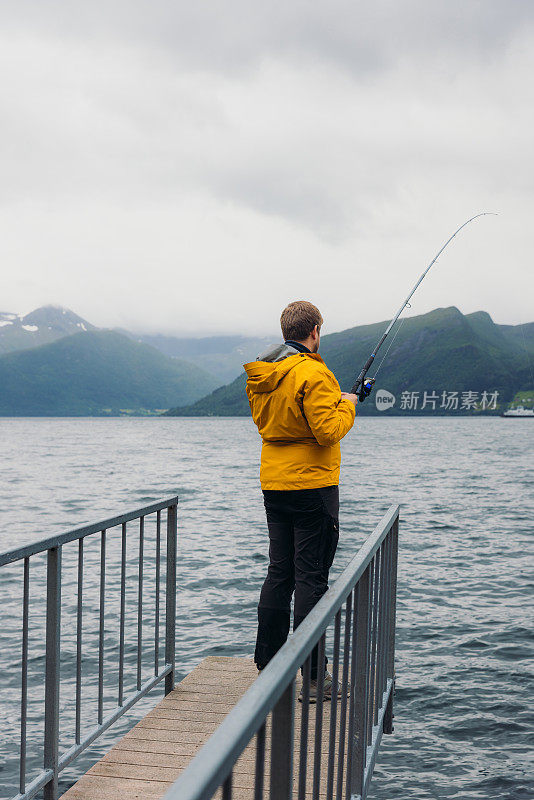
[301,322]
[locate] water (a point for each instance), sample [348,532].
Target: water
[464,645]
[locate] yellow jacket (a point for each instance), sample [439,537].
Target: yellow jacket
[296,404]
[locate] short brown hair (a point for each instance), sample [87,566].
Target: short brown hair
[298,320]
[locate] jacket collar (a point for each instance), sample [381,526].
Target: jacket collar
[298,346]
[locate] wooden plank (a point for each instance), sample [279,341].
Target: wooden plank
[114,789]
[149,758]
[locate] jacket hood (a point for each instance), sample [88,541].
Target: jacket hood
[264,375]
[277,352]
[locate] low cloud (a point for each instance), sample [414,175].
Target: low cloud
[306,148]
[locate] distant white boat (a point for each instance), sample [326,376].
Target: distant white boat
[520,411]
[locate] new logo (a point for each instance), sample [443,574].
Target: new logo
[384,400]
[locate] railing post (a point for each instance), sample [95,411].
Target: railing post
[281,785]
[52,669]
[361,697]
[170,592]
[24,676]
[390,658]
[122,614]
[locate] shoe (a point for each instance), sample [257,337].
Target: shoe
[327,689]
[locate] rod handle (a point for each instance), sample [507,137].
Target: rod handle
[359,380]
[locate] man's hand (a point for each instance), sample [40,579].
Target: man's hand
[351,397]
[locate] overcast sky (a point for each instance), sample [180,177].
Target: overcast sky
[191,167]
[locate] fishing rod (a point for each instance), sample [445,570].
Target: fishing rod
[363,387]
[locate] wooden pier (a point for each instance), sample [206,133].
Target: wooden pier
[148,759]
[157,757]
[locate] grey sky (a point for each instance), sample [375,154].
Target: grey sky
[192,167]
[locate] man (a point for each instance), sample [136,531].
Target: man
[301,415]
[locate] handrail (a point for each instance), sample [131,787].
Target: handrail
[212,766]
[362,667]
[42,545]
[162,669]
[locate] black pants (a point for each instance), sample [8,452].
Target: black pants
[303,536]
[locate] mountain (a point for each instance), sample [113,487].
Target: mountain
[93,373]
[442,351]
[221,356]
[44,325]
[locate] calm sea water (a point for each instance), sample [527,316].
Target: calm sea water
[464,642]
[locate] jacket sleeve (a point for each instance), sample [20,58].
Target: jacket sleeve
[328,416]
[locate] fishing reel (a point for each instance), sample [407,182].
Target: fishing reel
[365,389]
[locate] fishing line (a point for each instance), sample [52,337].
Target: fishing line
[391,343]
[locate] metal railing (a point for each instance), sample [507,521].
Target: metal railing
[52,548]
[364,599]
